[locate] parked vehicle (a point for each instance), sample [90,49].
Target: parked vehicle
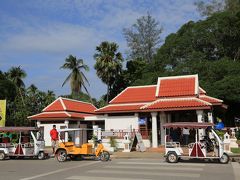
[75,151]
[26,143]
[208,147]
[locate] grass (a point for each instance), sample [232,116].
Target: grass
[235,150]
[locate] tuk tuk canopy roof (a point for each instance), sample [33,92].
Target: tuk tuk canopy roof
[17,129]
[189,125]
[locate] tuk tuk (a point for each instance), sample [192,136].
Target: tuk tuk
[23,142]
[209,146]
[76,151]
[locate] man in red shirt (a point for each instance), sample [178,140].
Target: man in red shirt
[54,138]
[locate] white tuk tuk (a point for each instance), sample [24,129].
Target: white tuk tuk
[26,143]
[209,146]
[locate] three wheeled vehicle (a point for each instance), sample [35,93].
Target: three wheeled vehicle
[210,146]
[76,151]
[24,142]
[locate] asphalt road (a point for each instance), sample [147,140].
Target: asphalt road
[117,169]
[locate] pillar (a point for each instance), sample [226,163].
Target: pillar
[169,118]
[200,119]
[38,123]
[154,130]
[210,117]
[66,122]
[163,120]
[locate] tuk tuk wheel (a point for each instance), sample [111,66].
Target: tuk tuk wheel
[61,155]
[41,155]
[2,155]
[172,157]
[224,159]
[104,156]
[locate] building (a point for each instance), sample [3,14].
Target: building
[141,109]
[64,113]
[147,108]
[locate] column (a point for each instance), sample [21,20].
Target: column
[210,117]
[38,123]
[200,119]
[169,118]
[154,130]
[66,122]
[163,119]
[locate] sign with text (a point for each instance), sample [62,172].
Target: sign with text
[2,113]
[138,143]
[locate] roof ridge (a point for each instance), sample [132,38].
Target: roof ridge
[210,97]
[52,104]
[77,101]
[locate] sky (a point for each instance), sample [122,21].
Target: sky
[38,35]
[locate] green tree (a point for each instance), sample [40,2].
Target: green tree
[143,37]
[7,88]
[16,75]
[76,77]
[108,63]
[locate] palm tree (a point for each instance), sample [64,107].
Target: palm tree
[108,63]
[76,77]
[16,75]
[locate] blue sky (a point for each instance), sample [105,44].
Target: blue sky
[39,34]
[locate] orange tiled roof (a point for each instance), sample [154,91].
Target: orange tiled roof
[136,94]
[177,104]
[177,86]
[211,100]
[64,104]
[120,108]
[65,108]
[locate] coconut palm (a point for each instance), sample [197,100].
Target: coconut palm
[16,75]
[108,63]
[76,77]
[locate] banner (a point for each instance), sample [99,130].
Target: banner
[2,113]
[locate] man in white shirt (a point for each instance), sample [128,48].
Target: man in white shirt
[186,134]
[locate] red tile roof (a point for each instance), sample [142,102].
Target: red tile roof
[120,108]
[202,91]
[65,108]
[177,104]
[211,100]
[62,104]
[177,86]
[78,106]
[136,94]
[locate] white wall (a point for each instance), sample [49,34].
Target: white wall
[121,122]
[48,128]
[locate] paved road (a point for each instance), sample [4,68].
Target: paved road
[117,169]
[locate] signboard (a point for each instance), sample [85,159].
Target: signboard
[138,143]
[2,113]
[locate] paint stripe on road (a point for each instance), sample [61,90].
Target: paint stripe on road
[171,174]
[101,178]
[155,168]
[59,170]
[163,164]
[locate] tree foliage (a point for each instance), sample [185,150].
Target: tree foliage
[34,99]
[212,6]
[143,38]
[108,64]
[77,78]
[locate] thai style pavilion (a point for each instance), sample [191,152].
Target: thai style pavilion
[140,108]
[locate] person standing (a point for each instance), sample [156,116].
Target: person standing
[54,138]
[186,134]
